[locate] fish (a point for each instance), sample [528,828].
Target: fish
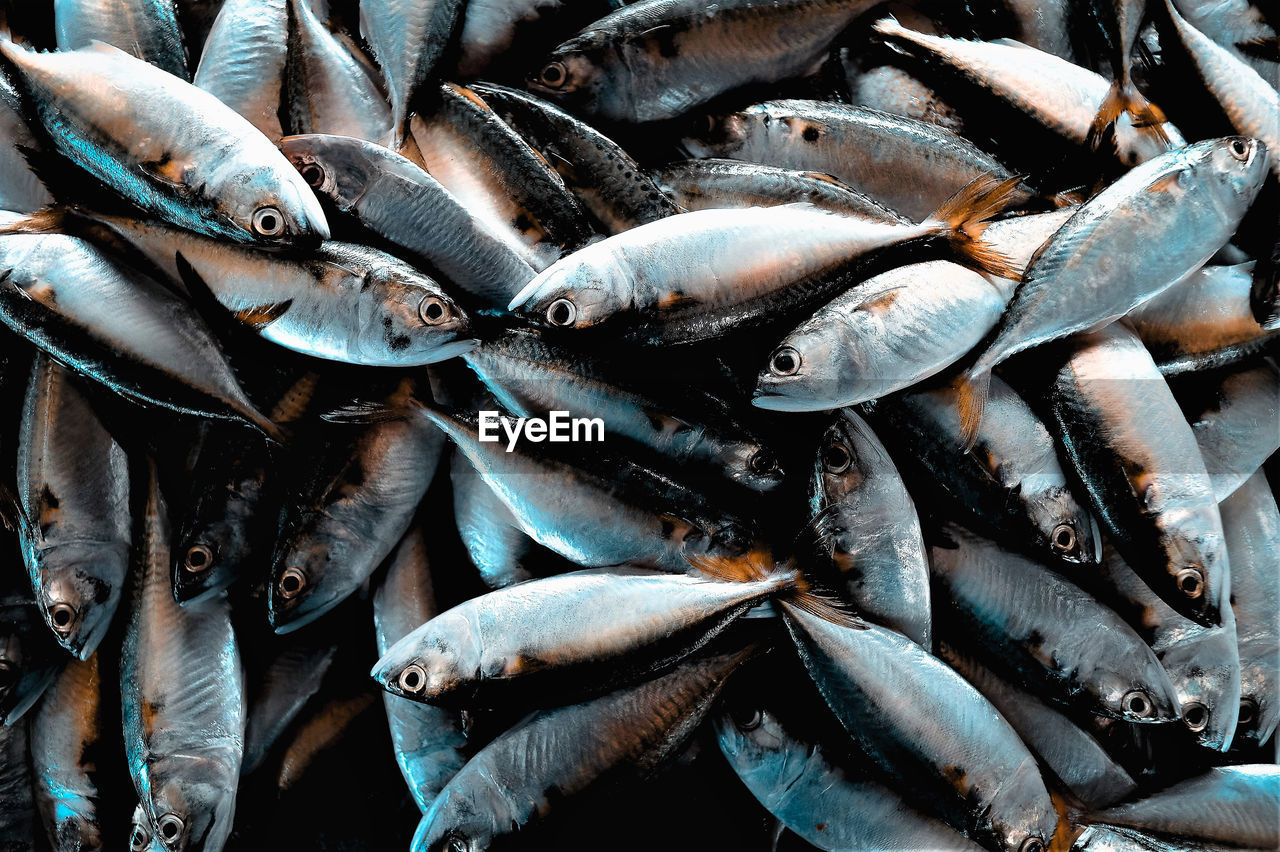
[430,744]
[1121,22]
[867,534]
[928,731]
[1236,26]
[754,265]
[1252,524]
[146,28]
[68,734]
[912,167]
[1026,623]
[182,697]
[1106,838]
[658,59]
[499,38]
[566,750]
[498,548]
[1011,487]
[395,199]
[1127,442]
[29,657]
[326,90]
[243,61]
[1237,427]
[889,89]
[1089,274]
[342,302]
[87,101]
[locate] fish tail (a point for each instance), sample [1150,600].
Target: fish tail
[819,604]
[1123,99]
[971,390]
[753,566]
[964,216]
[49,220]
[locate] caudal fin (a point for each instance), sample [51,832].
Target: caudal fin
[972,389]
[759,565]
[964,217]
[1120,99]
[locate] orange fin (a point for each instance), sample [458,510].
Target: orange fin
[754,565]
[260,316]
[49,220]
[1166,183]
[964,216]
[1120,100]
[971,400]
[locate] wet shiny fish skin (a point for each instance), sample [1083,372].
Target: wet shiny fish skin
[887,88]
[1235,805]
[928,729]
[518,777]
[614,190]
[1054,92]
[1032,626]
[530,375]
[497,176]
[1238,427]
[342,302]
[1252,523]
[242,62]
[1068,751]
[66,736]
[1203,322]
[17,806]
[146,28]
[867,534]
[88,102]
[278,688]
[21,189]
[396,199]
[1106,838]
[909,166]
[332,542]
[599,626]
[326,90]
[491,535]
[658,59]
[1127,442]
[1011,486]
[881,336]
[182,698]
[834,808]
[117,327]
[1233,25]
[429,741]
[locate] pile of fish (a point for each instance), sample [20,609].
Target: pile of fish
[760,424]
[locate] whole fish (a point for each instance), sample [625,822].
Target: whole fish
[752,266]
[182,698]
[429,741]
[1203,322]
[491,535]
[117,327]
[334,539]
[1131,448]
[341,302]
[1011,487]
[1093,271]
[74,490]
[1238,426]
[243,61]
[867,535]
[658,59]
[1235,805]
[146,28]
[1252,523]
[325,88]
[600,626]
[157,157]
[832,807]
[408,38]
[17,806]
[910,166]
[401,203]
[282,675]
[928,731]
[570,749]
[68,735]
[1029,624]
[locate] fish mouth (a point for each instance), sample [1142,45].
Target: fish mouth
[781,402]
[451,350]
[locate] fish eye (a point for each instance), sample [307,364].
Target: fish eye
[1136,703]
[170,827]
[1191,582]
[762,462]
[139,839]
[199,557]
[1248,712]
[413,679]
[836,458]
[62,616]
[268,222]
[562,312]
[312,173]
[1196,716]
[433,310]
[785,361]
[1032,844]
[1063,539]
[746,718]
[1239,148]
[8,676]
[553,75]
[457,843]
[292,582]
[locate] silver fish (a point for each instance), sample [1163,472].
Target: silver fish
[490,533]
[1236,26]
[146,28]
[243,61]
[1239,427]
[887,88]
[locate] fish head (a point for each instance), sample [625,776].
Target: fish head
[1066,530]
[1023,816]
[717,135]
[141,834]
[1133,689]
[76,601]
[583,290]
[335,167]
[1205,673]
[804,372]
[465,818]
[208,555]
[579,72]
[415,322]
[269,205]
[298,593]
[1259,708]
[191,802]
[755,743]
[752,465]
[435,661]
[1195,571]
[1239,168]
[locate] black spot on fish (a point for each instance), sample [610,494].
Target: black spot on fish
[811,134]
[48,498]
